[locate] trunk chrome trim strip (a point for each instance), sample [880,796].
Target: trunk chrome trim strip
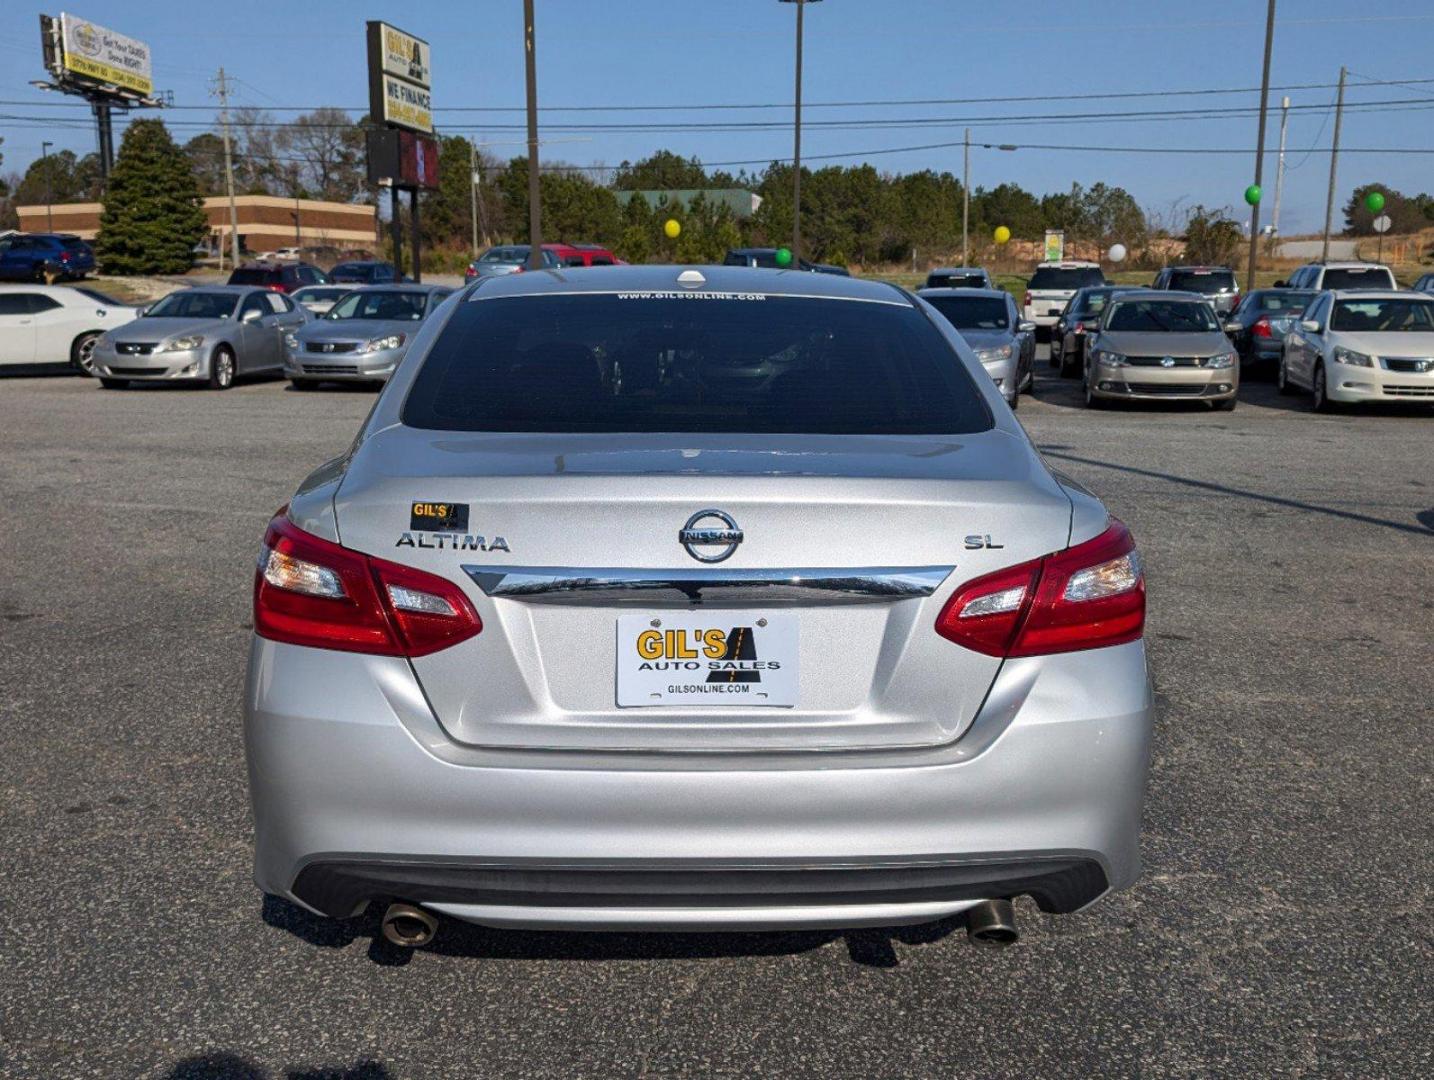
[609,586]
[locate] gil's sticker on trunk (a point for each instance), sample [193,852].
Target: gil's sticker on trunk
[731,658]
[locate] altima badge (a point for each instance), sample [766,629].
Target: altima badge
[724,540]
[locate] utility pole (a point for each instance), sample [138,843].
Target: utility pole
[1260,143]
[1280,170]
[473,191]
[797,150]
[535,199]
[49,190]
[1333,165]
[966,203]
[221,90]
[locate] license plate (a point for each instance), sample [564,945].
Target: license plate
[731,658]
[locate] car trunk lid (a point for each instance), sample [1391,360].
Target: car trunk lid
[849,545]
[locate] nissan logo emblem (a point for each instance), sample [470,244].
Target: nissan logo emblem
[717,540]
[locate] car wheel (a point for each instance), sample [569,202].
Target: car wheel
[1091,401]
[1320,393]
[221,369]
[303,384]
[1014,401]
[1282,379]
[113,384]
[1057,356]
[82,352]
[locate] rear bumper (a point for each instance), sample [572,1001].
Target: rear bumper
[359,795]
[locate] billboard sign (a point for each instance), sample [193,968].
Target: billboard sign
[93,55]
[399,79]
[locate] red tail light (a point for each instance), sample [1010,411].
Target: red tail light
[1080,328]
[1025,299]
[310,591]
[64,256]
[1261,328]
[1086,597]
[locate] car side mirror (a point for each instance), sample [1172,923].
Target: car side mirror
[1233,328]
[1310,326]
[251,316]
[1026,327]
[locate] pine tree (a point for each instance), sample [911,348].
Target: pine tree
[153,214]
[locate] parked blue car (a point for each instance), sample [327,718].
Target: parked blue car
[48,257]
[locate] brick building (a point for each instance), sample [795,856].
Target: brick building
[266,222]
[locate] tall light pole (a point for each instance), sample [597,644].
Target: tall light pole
[1280,169]
[535,205]
[797,143]
[1260,143]
[49,191]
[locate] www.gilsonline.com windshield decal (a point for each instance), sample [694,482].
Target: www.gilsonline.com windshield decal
[690,296]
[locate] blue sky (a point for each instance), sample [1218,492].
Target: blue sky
[643,52]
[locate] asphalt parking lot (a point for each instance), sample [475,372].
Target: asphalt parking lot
[1282,927]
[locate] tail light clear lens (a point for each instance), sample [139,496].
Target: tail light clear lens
[1085,597]
[311,591]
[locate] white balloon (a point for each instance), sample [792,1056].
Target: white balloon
[1116,253]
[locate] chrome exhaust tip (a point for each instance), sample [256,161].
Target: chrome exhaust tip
[408,926]
[992,922]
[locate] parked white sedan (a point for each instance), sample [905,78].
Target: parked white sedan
[1362,346]
[55,324]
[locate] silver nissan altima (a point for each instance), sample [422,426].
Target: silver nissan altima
[675,598]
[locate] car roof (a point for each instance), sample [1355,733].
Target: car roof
[987,293]
[1378,294]
[1168,294]
[958,270]
[393,286]
[236,290]
[1353,264]
[1199,269]
[773,282]
[361,262]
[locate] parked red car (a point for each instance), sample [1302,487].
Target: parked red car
[513,259]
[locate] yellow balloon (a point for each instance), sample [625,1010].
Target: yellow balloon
[1002,234]
[672,228]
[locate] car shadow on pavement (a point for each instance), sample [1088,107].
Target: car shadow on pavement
[227,1066]
[1423,518]
[867,947]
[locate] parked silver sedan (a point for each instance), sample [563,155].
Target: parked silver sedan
[362,337]
[210,335]
[592,628]
[1362,347]
[1160,346]
[991,324]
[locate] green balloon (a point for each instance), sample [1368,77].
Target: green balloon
[1374,201]
[1252,194]
[784,257]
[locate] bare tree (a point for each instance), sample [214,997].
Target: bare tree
[326,150]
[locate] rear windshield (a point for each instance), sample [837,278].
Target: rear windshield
[187,304]
[380,305]
[1173,316]
[253,275]
[956,281]
[664,362]
[320,294]
[1208,282]
[354,269]
[72,243]
[1091,303]
[1383,316]
[972,312]
[1073,277]
[1362,277]
[1282,301]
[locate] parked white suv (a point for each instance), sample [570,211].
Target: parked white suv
[1362,346]
[1052,286]
[55,324]
[1340,275]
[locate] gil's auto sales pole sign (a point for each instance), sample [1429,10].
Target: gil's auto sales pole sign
[398,79]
